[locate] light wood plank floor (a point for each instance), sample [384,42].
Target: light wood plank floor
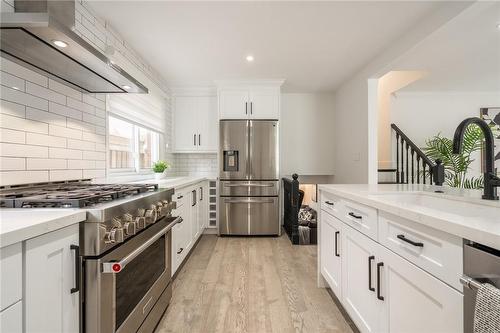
[250,285]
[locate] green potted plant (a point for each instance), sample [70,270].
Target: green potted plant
[159,168]
[457,165]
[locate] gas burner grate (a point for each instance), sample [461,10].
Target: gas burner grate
[74,195]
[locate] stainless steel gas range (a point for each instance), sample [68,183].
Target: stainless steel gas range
[123,268]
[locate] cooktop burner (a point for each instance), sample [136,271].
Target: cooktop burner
[78,194]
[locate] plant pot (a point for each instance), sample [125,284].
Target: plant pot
[159,175]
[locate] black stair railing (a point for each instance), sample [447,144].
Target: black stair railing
[413,166]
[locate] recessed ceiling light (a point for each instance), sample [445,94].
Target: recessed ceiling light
[498,25]
[15,88]
[60,43]
[249,58]
[126,87]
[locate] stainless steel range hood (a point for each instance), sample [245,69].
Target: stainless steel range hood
[29,36]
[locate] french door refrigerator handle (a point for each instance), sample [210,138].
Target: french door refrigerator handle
[118,266]
[249,185]
[248,201]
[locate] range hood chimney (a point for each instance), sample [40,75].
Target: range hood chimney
[40,35]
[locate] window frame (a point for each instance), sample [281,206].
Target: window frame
[136,170]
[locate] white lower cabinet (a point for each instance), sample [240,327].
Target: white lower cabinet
[331,252]
[11,318]
[359,258]
[415,301]
[51,294]
[193,210]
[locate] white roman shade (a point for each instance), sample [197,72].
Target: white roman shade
[147,110]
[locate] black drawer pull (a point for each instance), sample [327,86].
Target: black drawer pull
[409,241]
[379,266]
[76,248]
[355,216]
[370,259]
[336,243]
[329,203]
[180,197]
[180,250]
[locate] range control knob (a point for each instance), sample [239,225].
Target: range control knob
[116,222]
[159,209]
[140,222]
[115,235]
[129,227]
[151,215]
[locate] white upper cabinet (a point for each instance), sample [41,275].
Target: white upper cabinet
[195,124]
[249,100]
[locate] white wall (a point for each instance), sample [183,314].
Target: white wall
[307,140]
[351,123]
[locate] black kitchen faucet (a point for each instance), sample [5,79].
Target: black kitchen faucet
[491,181]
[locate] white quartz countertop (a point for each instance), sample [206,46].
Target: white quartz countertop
[459,212]
[177,182]
[17,225]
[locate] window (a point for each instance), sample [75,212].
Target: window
[132,148]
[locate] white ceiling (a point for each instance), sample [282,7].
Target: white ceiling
[463,55]
[313,45]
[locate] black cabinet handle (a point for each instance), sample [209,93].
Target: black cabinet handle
[355,216]
[329,203]
[201,193]
[246,107]
[409,241]
[180,250]
[76,248]
[194,198]
[199,139]
[194,139]
[336,243]
[370,259]
[379,266]
[251,107]
[180,197]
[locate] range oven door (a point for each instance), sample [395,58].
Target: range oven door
[123,286]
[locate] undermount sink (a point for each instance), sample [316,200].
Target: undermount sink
[434,204]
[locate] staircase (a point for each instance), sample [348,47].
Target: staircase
[413,166]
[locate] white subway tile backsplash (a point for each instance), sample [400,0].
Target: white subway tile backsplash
[79,144]
[22,150]
[100,113]
[100,130]
[80,105]
[45,164]
[100,147]
[12,81]
[16,123]
[35,89]
[13,109]
[89,99]
[94,120]
[81,164]
[94,155]
[65,132]
[80,125]
[55,175]
[94,173]
[45,117]
[12,136]
[65,111]
[65,90]
[94,137]
[23,177]
[20,97]
[100,164]
[22,72]
[12,163]
[45,140]
[65,153]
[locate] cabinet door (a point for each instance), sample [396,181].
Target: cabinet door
[11,319]
[207,124]
[360,255]
[185,124]
[264,103]
[50,273]
[415,301]
[233,104]
[195,219]
[331,252]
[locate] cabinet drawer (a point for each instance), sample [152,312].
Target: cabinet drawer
[11,319]
[331,204]
[11,273]
[361,218]
[436,252]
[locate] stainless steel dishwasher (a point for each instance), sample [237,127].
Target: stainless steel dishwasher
[481,264]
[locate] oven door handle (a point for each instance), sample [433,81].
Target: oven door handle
[117,266]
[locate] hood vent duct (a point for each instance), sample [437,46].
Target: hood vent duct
[40,35]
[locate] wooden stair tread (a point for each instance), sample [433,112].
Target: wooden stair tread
[387,170]
[388,182]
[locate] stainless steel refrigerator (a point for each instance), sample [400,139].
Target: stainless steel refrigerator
[249,177]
